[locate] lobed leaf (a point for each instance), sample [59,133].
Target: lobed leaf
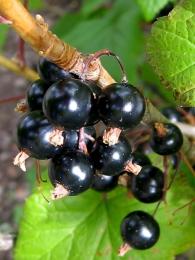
[171,51]
[88,226]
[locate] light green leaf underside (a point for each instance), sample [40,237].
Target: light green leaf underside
[171,51]
[88,226]
[150,8]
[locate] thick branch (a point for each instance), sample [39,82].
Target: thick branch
[14,67]
[35,32]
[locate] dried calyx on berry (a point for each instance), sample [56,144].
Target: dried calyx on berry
[139,230]
[36,137]
[113,159]
[121,106]
[71,174]
[166,138]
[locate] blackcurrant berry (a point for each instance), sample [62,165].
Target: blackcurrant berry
[96,90]
[110,160]
[50,72]
[172,114]
[70,140]
[73,171]
[68,103]
[36,93]
[140,230]
[148,185]
[121,106]
[166,139]
[33,133]
[140,159]
[104,183]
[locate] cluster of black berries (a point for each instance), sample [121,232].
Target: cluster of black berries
[59,125]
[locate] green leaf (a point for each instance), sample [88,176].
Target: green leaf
[88,226]
[89,6]
[36,4]
[153,86]
[171,51]
[150,8]
[3,31]
[117,29]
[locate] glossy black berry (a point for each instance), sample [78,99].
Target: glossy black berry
[68,103]
[121,106]
[172,114]
[50,72]
[73,171]
[166,139]
[71,139]
[94,115]
[140,230]
[36,93]
[110,160]
[33,136]
[140,159]
[148,185]
[104,183]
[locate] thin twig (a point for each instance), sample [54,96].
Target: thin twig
[11,99]
[13,66]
